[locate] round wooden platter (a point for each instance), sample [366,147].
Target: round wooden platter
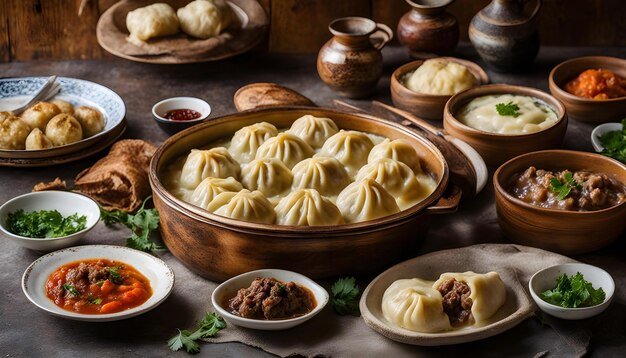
[247,31]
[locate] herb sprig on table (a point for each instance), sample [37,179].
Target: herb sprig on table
[614,143]
[345,300]
[573,292]
[508,109]
[562,189]
[44,223]
[207,327]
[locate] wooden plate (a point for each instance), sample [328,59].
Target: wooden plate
[247,31]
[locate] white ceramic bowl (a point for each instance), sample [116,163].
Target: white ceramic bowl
[65,202]
[229,289]
[601,130]
[161,108]
[160,275]
[546,279]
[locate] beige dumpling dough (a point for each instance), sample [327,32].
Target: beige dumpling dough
[204,18]
[244,205]
[90,119]
[13,132]
[64,106]
[64,129]
[151,21]
[40,114]
[37,140]
[439,77]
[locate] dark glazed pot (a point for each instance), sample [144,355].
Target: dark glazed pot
[504,36]
[351,63]
[428,28]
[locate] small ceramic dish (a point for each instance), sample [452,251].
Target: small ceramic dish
[229,289]
[587,109]
[546,280]
[497,148]
[65,202]
[160,109]
[601,130]
[160,275]
[423,105]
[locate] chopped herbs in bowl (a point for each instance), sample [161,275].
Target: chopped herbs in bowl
[44,223]
[573,292]
[610,139]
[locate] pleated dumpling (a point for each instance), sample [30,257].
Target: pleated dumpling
[365,200]
[268,175]
[399,150]
[245,205]
[415,305]
[351,148]
[314,130]
[201,164]
[247,140]
[307,207]
[325,174]
[209,188]
[285,147]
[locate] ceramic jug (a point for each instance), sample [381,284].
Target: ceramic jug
[505,36]
[351,62]
[428,28]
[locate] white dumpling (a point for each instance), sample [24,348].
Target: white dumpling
[415,305]
[324,174]
[365,200]
[247,140]
[64,106]
[307,207]
[37,140]
[40,114]
[314,130]
[246,205]
[285,147]
[90,119]
[201,164]
[399,150]
[440,77]
[209,188]
[351,148]
[151,21]
[205,18]
[268,175]
[13,132]
[64,129]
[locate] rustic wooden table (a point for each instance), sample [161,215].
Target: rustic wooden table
[27,331]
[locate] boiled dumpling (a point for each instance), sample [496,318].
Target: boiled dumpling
[205,18]
[64,106]
[399,150]
[64,129]
[325,174]
[90,119]
[415,305]
[151,21]
[37,140]
[244,205]
[13,132]
[365,200]
[307,207]
[285,147]
[247,140]
[40,114]
[268,175]
[440,77]
[201,164]
[351,148]
[209,188]
[314,130]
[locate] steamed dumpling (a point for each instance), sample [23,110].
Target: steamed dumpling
[205,18]
[64,106]
[307,207]
[314,130]
[151,21]
[247,140]
[244,205]
[209,188]
[285,147]
[365,200]
[268,175]
[90,119]
[64,129]
[40,114]
[414,304]
[399,150]
[351,148]
[37,140]
[440,77]
[324,174]
[13,132]
[201,164]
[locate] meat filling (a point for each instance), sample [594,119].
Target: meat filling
[457,303]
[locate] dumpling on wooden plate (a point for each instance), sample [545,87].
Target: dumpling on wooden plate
[325,174]
[151,21]
[201,164]
[351,148]
[205,18]
[307,207]
[285,147]
[267,175]
[247,140]
[366,200]
[209,188]
[314,130]
[245,205]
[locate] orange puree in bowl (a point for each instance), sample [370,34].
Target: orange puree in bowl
[597,84]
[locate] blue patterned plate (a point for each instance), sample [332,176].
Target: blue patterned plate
[16,91]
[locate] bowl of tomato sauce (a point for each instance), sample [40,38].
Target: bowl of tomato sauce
[177,113]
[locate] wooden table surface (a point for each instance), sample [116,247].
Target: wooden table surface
[27,331]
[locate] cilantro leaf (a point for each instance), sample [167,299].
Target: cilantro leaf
[44,223]
[95,301]
[562,189]
[71,289]
[207,327]
[614,143]
[573,292]
[345,300]
[508,109]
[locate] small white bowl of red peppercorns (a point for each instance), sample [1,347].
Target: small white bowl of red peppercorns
[177,113]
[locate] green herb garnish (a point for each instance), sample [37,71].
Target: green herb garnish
[44,223]
[562,189]
[282,290]
[573,292]
[94,301]
[207,327]
[142,224]
[614,143]
[114,275]
[508,109]
[71,289]
[345,300]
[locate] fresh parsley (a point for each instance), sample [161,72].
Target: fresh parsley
[345,300]
[95,301]
[71,289]
[614,143]
[572,292]
[207,327]
[114,275]
[562,189]
[44,223]
[508,109]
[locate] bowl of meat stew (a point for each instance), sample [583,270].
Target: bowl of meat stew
[559,200]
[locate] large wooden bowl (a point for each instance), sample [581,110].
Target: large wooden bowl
[498,148]
[567,232]
[218,248]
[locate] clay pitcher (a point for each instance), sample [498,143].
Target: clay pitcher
[505,36]
[428,28]
[351,62]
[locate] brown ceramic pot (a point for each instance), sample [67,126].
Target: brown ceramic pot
[351,63]
[428,28]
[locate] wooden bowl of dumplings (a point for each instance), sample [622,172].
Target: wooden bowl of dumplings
[320,226]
